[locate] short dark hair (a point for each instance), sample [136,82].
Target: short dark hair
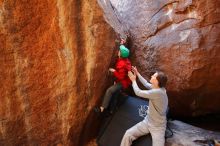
[162,79]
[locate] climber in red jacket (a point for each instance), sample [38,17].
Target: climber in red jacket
[123,65]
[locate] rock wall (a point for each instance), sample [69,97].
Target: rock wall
[53,61]
[180,37]
[185,134]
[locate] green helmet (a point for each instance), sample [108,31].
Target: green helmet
[124,51]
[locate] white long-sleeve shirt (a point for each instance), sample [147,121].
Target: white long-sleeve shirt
[158,102]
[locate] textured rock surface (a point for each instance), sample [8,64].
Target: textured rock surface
[53,61]
[187,135]
[180,37]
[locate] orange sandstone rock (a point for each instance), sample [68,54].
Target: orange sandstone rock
[53,61]
[180,37]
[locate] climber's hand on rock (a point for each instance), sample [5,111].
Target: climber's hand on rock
[122,42]
[111,69]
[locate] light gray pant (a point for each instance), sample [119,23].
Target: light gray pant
[109,93]
[143,128]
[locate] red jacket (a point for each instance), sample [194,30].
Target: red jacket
[123,65]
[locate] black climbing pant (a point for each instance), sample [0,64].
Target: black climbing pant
[109,93]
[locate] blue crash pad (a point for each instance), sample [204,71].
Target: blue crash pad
[127,115]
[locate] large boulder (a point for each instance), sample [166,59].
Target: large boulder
[53,60]
[180,37]
[188,135]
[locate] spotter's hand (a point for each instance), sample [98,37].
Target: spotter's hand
[132,76]
[134,69]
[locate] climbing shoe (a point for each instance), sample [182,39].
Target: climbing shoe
[97,109]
